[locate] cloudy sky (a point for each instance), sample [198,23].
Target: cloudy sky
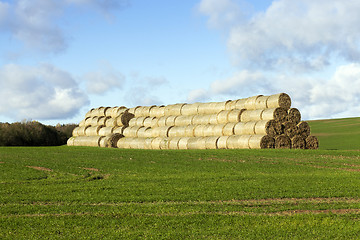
[59,58]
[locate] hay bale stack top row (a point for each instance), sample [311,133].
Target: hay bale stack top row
[249,123]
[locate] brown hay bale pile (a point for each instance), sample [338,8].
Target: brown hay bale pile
[183,120]
[161,131]
[268,127]
[131,132]
[298,142]
[201,119]
[278,114]
[190,109]
[279,100]
[211,142]
[174,143]
[251,103]
[290,129]
[261,142]
[252,115]
[294,115]
[174,109]
[183,142]
[238,142]
[303,129]
[228,129]
[282,142]
[312,142]
[157,111]
[222,142]
[196,143]
[93,131]
[104,131]
[89,141]
[245,128]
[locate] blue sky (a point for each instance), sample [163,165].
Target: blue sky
[59,58]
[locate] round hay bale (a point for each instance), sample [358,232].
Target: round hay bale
[197,143]
[278,114]
[94,121]
[220,106]
[298,142]
[70,141]
[162,121]
[102,120]
[93,131]
[164,143]
[209,130]
[80,131]
[173,132]
[123,143]
[183,120]
[261,141]
[174,143]
[108,111]
[251,115]
[304,129]
[182,144]
[213,119]
[170,120]
[112,140]
[294,115]
[147,143]
[155,143]
[201,119]
[245,128]
[111,122]
[138,111]
[119,130]
[234,115]
[75,131]
[238,142]
[132,122]
[230,105]
[157,111]
[148,121]
[102,110]
[133,110]
[221,143]
[89,141]
[154,122]
[174,109]
[190,109]
[199,130]
[279,100]
[268,127]
[250,103]
[88,114]
[137,143]
[222,117]
[131,132]
[140,121]
[88,121]
[211,142]
[82,123]
[104,131]
[312,142]
[205,108]
[282,142]
[143,132]
[103,142]
[217,129]
[240,103]
[161,131]
[290,129]
[261,102]
[190,131]
[228,129]
[124,118]
[117,111]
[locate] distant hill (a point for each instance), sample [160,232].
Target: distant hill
[342,134]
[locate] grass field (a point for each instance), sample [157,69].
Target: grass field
[95,193]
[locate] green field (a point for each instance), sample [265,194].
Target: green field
[96,193]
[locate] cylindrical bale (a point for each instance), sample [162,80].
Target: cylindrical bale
[140,121]
[104,131]
[162,121]
[282,142]
[89,141]
[211,142]
[219,106]
[161,131]
[190,109]
[178,131]
[146,111]
[183,142]
[133,110]
[132,122]
[102,120]
[108,111]
[205,108]
[143,132]
[157,111]
[119,129]
[222,142]
[190,131]
[228,129]
[117,111]
[70,141]
[88,114]
[298,142]
[218,129]
[209,130]
[238,142]
[138,111]
[183,120]
[155,143]
[304,129]
[123,143]
[88,121]
[131,132]
[173,132]
[199,130]
[111,122]
[201,119]
[294,115]
[102,110]
[174,143]
[250,103]
[197,143]
[230,105]
[268,127]
[261,141]
[75,131]
[278,114]
[93,131]
[222,117]
[124,118]
[312,142]
[261,102]
[240,103]
[82,123]
[164,143]
[245,128]
[148,121]
[213,119]
[137,143]
[291,130]
[170,120]
[112,139]
[94,112]
[234,115]
[94,121]
[103,142]
[147,143]
[251,115]
[173,109]
[279,100]
[80,131]
[154,122]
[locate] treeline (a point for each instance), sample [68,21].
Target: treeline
[33,133]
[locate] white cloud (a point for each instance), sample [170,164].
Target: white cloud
[41,93]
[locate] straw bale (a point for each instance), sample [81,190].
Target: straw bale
[170,120]
[82,123]
[162,121]
[94,121]
[250,103]
[209,130]
[88,121]
[140,121]
[173,109]
[124,118]
[294,115]
[304,129]
[235,115]
[298,142]
[219,106]
[268,127]
[133,109]
[218,129]
[221,143]
[279,100]
[161,131]
[117,111]
[138,112]
[144,132]
[104,131]
[111,122]
[190,131]
[155,143]
[240,103]
[238,142]
[164,143]
[190,109]
[147,143]
[131,132]
[261,102]
[80,131]
[123,143]
[132,122]
[222,117]
[179,131]
[182,144]
[228,129]
[245,128]
[102,120]
[93,131]
[119,129]
[213,119]
[211,142]
[113,139]
[174,131]
[108,111]
[70,141]
[137,143]
[201,119]
[88,114]
[278,114]
[197,143]
[290,129]
[205,108]
[101,111]
[230,105]
[261,141]
[282,141]
[183,120]
[312,142]
[89,141]
[103,142]
[174,143]
[199,130]
[157,111]
[148,121]
[251,115]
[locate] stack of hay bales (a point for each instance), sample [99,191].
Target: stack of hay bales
[252,123]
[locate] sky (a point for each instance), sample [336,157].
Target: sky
[60,58]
